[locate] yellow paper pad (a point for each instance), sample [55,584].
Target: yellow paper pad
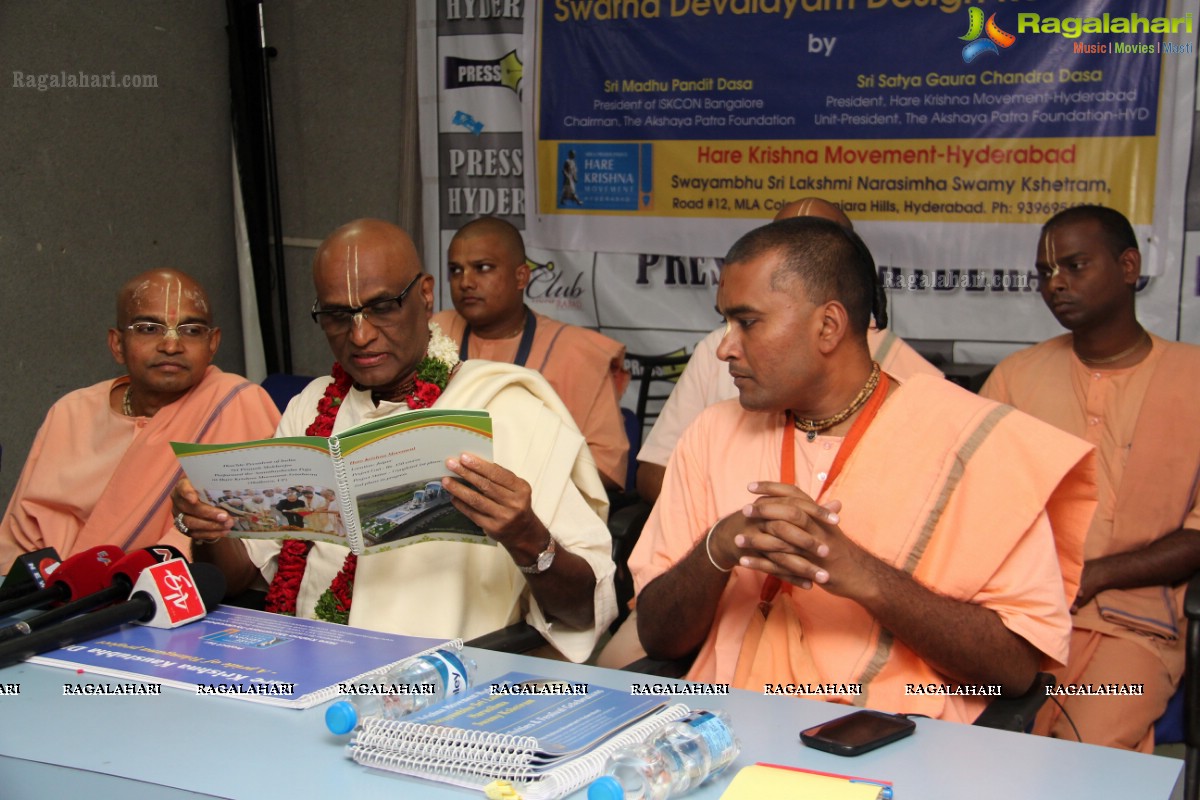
[764,783]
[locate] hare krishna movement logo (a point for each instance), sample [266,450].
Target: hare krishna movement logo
[996,38]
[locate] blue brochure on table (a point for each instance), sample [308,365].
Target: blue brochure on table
[563,718]
[250,655]
[550,736]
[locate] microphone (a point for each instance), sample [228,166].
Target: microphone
[28,573]
[166,595]
[82,573]
[120,579]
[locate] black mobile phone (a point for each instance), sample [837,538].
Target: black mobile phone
[858,733]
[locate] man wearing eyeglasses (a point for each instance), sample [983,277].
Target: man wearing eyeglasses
[101,468]
[540,501]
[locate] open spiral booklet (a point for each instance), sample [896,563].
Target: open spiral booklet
[373,487]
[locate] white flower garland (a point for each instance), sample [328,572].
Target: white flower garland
[441,346]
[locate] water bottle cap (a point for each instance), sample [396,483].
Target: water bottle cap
[606,787]
[341,717]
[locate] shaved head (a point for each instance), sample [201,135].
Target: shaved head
[815,207]
[337,258]
[368,262]
[488,276]
[172,285]
[505,234]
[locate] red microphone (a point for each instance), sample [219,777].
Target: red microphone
[166,595]
[120,579]
[83,573]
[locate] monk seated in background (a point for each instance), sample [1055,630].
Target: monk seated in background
[1133,396]
[488,275]
[101,468]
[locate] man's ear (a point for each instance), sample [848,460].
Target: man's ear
[523,275]
[214,342]
[1131,265]
[116,345]
[835,322]
[426,289]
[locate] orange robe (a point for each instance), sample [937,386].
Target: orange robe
[956,491]
[586,369]
[95,476]
[1143,423]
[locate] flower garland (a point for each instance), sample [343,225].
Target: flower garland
[421,391]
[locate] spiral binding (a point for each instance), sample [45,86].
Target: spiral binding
[473,759]
[349,507]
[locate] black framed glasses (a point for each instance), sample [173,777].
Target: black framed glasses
[382,313]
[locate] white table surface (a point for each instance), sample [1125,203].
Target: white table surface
[181,745]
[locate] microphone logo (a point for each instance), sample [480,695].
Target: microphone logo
[107,554]
[45,569]
[163,553]
[179,591]
[180,598]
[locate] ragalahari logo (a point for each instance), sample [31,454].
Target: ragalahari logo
[996,38]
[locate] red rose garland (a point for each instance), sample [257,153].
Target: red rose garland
[293,557]
[433,373]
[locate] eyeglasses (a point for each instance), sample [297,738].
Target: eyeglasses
[192,331]
[382,313]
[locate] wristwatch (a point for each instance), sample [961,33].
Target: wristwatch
[544,560]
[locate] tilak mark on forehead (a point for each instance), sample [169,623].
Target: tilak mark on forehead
[1050,255]
[352,275]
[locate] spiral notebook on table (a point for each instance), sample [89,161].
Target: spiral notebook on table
[546,736]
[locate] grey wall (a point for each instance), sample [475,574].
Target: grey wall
[102,183]
[342,111]
[99,184]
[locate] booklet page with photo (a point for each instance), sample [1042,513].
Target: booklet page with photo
[370,488]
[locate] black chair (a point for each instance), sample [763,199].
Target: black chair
[1016,713]
[625,526]
[656,376]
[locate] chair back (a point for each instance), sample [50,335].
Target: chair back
[656,377]
[283,387]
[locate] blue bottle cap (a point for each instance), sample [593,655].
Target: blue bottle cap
[606,787]
[341,717]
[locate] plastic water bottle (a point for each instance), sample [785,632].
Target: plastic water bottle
[682,756]
[411,686]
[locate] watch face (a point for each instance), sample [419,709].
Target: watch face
[545,559]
